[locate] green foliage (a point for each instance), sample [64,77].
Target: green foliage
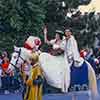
[83,28]
[18,18]
[21,18]
[23,15]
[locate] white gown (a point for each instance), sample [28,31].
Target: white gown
[55,69]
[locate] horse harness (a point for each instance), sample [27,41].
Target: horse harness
[19,52]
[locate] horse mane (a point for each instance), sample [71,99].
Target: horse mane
[25,53]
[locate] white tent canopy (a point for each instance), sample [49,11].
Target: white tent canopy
[93,6]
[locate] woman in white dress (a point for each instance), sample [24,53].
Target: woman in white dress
[56,42]
[56,62]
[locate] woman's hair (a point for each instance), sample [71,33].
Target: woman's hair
[68,30]
[60,33]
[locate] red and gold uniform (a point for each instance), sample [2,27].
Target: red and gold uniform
[34,82]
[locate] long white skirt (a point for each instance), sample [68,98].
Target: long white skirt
[56,71]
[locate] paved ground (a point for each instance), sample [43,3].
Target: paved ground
[46,97]
[80,96]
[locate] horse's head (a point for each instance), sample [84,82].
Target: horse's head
[18,57]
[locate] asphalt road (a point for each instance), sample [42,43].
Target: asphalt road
[78,96]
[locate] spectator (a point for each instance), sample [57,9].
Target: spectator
[0,71]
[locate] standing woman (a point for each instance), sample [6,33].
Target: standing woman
[56,59]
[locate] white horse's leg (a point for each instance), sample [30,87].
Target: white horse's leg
[92,80]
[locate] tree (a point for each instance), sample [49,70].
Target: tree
[83,28]
[19,19]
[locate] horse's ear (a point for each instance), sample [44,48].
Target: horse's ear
[16,48]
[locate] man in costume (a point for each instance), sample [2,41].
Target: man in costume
[35,80]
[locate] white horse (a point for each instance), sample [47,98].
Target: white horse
[54,72]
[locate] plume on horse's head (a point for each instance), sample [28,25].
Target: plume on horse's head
[32,42]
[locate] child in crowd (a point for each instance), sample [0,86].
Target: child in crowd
[5,77]
[0,71]
[25,71]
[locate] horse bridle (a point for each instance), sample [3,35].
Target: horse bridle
[19,56]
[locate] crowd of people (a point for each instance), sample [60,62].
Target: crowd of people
[8,82]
